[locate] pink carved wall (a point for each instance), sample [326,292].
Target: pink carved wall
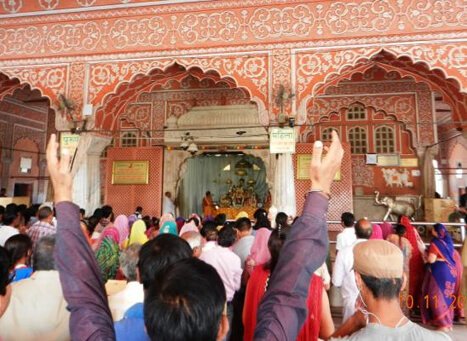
[341,191]
[125,198]
[389,100]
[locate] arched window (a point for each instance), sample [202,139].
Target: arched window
[129,140]
[326,134]
[356,112]
[358,140]
[384,140]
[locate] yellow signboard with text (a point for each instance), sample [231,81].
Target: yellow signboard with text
[130,173]
[303,168]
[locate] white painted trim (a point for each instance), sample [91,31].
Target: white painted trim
[331,45]
[99,8]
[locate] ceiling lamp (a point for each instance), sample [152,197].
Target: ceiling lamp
[192,148]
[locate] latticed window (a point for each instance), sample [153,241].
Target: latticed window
[358,140]
[129,140]
[326,134]
[384,140]
[356,112]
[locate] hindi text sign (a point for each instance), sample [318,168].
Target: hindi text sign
[282,140]
[69,141]
[130,173]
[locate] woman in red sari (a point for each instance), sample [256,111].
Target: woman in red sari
[416,262]
[258,285]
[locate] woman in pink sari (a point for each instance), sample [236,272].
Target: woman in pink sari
[259,253]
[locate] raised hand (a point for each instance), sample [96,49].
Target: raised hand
[323,170]
[59,171]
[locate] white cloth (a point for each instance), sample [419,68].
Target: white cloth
[407,332]
[6,232]
[343,276]
[37,310]
[227,265]
[120,302]
[323,272]
[283,195]
[242,248]
[346,238]
[168,206]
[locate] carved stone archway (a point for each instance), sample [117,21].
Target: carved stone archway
[250,73]
[317,69]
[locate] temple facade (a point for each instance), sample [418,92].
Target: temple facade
[167,81]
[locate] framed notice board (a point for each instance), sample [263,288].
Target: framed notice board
[303,168]
[130,173]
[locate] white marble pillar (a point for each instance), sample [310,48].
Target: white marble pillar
[283,196]
[86,171]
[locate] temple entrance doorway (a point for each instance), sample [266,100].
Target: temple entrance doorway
[237,182]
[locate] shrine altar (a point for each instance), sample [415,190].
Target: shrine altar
[231,212]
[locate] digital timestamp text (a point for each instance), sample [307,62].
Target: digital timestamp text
[431,301]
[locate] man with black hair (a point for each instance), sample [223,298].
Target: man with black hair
[10,225]
[343,275]
[347,237]
[379,275]
[43,227]
[245,239]
[186,302]
[37,309]
[138,212]
[154,256]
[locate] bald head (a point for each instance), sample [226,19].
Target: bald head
[363,229]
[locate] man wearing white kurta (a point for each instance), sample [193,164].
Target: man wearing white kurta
[346,237]
[343,275]
[168,205]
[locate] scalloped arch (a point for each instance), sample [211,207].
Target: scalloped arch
[11,84]
[453,92]
[144,82]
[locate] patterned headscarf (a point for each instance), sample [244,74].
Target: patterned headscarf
[122,226]
[107,257]
[169,227]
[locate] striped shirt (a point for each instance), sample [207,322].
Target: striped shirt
[40,229]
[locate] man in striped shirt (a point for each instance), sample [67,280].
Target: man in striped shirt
[44,226]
